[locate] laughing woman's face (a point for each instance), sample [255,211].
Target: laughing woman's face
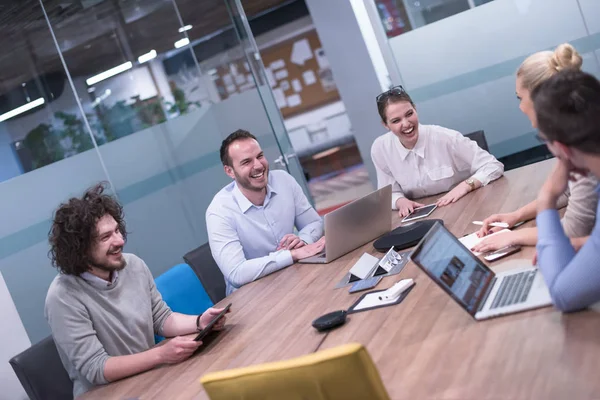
[403,120]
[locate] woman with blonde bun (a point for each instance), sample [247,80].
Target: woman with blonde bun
[580,214]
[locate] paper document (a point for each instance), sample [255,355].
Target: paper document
[277,64]
[472,240]
[279,98]
[297,85]
[240,79]
[309,77]
[301,52]
[270,77]
[294,100]
[281,74]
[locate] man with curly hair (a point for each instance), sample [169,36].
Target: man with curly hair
[103,307]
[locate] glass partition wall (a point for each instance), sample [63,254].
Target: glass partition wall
[458,59]
[115,91]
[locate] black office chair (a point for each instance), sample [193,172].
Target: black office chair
[204,265]
[42,373]
[479,138]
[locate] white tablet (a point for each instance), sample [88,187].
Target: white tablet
[418,213]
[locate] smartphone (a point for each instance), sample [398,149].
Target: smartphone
[208,327]
[365,284]
[418,213]
[503,252]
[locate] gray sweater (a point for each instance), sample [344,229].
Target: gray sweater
[92,321]
[580,215]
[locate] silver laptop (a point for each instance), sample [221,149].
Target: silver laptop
[481,292]
[355,224]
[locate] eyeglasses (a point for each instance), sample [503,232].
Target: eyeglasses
[396,90]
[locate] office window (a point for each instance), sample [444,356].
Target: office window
[400,16]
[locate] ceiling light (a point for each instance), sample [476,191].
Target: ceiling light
[22,109]
[182,42]
[185,28]
[107,74]
[147,57]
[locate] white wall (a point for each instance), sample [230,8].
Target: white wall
[13,340]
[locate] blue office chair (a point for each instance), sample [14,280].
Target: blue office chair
[182,291]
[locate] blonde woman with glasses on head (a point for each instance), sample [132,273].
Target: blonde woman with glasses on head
[424,160]
[580,214]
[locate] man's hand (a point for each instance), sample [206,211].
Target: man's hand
[406,206]
[452,196]
[178,349]
[509,218]
[309,250]
[555,185]
[495,242]
[209,315]
[290,242]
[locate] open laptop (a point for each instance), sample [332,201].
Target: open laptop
[355,224]
[481,292]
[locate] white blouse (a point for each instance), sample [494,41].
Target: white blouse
[440,160]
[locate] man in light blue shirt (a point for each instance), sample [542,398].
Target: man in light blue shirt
[251,221]
[568,112]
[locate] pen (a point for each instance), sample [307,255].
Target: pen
[495,224]
[395,291]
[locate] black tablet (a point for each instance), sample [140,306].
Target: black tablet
[208,327]
[418,213]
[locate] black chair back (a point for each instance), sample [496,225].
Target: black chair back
[204,265]
[479,138]
[42,373]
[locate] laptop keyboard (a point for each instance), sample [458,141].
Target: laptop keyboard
[514,289]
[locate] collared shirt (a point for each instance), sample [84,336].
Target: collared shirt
[573,278]
[441,159]
[244,238]
[97,281]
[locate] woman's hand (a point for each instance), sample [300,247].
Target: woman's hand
[510,219]
[495,242]
[406,206]
[452,196]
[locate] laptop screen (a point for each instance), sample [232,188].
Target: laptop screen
[453,267]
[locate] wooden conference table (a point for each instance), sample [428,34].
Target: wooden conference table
[427,347]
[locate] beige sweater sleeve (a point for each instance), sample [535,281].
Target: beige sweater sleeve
[580,215]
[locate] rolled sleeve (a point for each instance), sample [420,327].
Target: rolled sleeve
[308,222]
[283,258]
[483,166]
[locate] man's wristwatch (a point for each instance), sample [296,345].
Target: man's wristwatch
[198,323]
[471,183]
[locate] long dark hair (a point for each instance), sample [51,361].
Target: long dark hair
[73,229]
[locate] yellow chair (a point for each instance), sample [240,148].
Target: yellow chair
[345,373]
